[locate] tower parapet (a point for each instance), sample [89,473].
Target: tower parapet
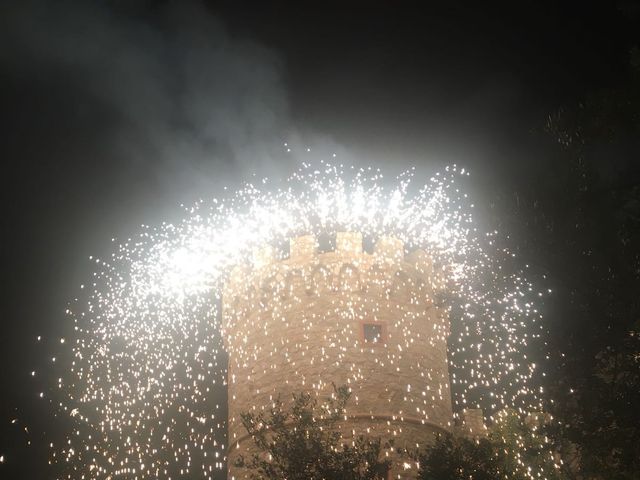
[366,320]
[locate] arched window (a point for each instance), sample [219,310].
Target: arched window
[349,278]
[376,279]
[268,289]
[320,280]
[293,282]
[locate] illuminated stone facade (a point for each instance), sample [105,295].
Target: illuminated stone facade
[367,320]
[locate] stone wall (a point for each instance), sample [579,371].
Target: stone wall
[297,324]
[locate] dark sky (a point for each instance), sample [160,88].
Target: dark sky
[114,112]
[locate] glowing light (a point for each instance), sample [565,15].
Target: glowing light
[144,371]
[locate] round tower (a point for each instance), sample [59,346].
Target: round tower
[366,320]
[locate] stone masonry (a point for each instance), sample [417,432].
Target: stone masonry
[367,320]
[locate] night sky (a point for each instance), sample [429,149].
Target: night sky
[113,113]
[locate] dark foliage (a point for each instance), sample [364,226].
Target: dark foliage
[512,447]
[301,442]
[578,224]
[598,399]
[453,458]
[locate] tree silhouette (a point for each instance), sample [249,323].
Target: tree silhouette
[302,442]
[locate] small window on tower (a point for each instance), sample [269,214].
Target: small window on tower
[373,332]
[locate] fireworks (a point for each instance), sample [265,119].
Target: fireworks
[145,378]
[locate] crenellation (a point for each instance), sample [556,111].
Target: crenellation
[422,262]
[264,256]
[389,249]
[473,422]
[302,248]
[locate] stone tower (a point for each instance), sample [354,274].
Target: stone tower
[367,320]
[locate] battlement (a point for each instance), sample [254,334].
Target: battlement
[304,248]
[472,422]
[348,248]
[347,268]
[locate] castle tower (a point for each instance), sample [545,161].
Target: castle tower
[367,320]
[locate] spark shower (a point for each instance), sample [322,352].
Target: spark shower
[142,382]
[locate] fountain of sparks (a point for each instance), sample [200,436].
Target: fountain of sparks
[143,388]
